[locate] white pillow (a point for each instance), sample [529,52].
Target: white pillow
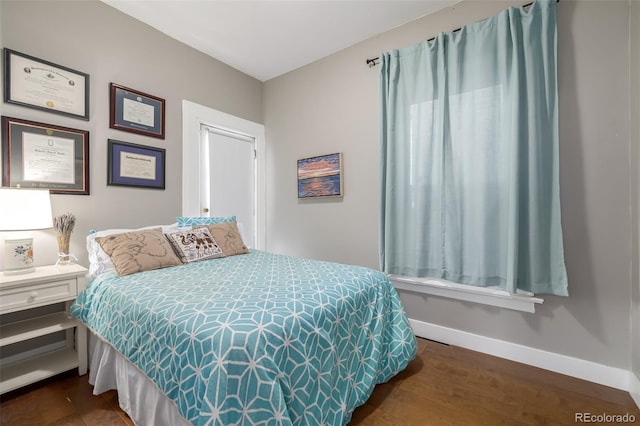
[99,261]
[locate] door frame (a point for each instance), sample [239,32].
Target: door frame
[195,115]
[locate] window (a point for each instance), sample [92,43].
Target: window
[470,187]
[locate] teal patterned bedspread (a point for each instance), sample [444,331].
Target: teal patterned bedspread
[255,339]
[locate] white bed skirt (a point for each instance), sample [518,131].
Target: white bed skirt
[138,396]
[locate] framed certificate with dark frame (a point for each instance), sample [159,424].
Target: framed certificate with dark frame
[43,85]
[135,165]
[136,112]
[38,155]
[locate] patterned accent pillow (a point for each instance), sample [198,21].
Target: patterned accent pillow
[228,238]
[139,251]
[195,244]
[99,261]
[195,221]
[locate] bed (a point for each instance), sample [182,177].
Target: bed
[247,339]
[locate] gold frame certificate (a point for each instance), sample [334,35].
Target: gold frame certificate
[135,111]
[44,156]
[47,159]
[137,166]
[39,84]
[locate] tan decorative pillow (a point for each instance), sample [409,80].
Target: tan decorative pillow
[138,251]
[228,238]
[194,244]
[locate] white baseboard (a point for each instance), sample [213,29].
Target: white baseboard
[575,367]
[635,389]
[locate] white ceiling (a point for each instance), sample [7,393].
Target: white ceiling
[267,38]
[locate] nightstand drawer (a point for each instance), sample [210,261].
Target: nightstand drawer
[15,299]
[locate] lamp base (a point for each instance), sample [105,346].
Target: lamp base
[18,256]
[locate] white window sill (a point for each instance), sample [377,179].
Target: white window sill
[521,301]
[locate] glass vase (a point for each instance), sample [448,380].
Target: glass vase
[64,257]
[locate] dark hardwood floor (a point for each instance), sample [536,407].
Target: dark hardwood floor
[444,385]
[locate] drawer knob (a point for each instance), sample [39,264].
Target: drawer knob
[33,296]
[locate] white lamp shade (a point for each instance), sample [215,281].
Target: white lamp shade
[25,209]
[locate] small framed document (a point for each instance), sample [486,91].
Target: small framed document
[136,112]
[43,85]
[135,165]
[38,155]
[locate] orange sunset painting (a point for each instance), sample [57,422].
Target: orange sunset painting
[320,176]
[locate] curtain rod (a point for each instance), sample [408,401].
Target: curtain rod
[375,61]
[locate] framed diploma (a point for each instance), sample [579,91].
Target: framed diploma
[136,112]
[38,155]
[43,85]
[135,165]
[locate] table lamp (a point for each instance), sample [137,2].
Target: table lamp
[22,210]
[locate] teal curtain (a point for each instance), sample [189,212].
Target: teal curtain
[469,155]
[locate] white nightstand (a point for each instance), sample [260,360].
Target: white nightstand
[48,285]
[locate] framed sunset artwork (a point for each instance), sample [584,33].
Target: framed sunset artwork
[320,176]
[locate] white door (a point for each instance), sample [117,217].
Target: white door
[222,176]
[228,170]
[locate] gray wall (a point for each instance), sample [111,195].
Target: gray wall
[331,105]
[635,185]
[110,46]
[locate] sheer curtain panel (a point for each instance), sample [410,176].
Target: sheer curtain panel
[469,155]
